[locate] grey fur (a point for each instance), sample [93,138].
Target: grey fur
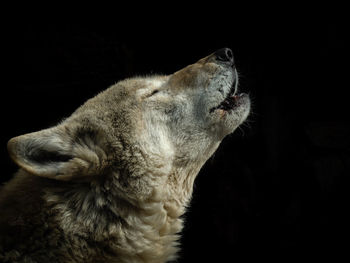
[111,182]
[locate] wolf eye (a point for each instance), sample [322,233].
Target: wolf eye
[154,92]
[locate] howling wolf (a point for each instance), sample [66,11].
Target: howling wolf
[111,182]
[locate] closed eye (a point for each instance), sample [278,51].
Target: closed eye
[153,92]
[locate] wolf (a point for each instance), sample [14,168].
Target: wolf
[111,182]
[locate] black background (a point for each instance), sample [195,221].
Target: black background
[278,184]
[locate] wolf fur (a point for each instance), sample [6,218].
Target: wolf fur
[111,182]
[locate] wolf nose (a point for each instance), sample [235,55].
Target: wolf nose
[224,55]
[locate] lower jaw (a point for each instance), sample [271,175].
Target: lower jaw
[229,103]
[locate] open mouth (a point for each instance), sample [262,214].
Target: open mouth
[231,101]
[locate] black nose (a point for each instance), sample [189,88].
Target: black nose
[224,55]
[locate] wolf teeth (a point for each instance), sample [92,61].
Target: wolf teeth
[229,102]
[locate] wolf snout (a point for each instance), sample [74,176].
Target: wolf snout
[225,55]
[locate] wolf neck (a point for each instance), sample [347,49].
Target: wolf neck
[147,229]
[182,179]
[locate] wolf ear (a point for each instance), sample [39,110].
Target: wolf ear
[60,153]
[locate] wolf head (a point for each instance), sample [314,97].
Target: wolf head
[143,133]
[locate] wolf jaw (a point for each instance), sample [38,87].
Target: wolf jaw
[232,99]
